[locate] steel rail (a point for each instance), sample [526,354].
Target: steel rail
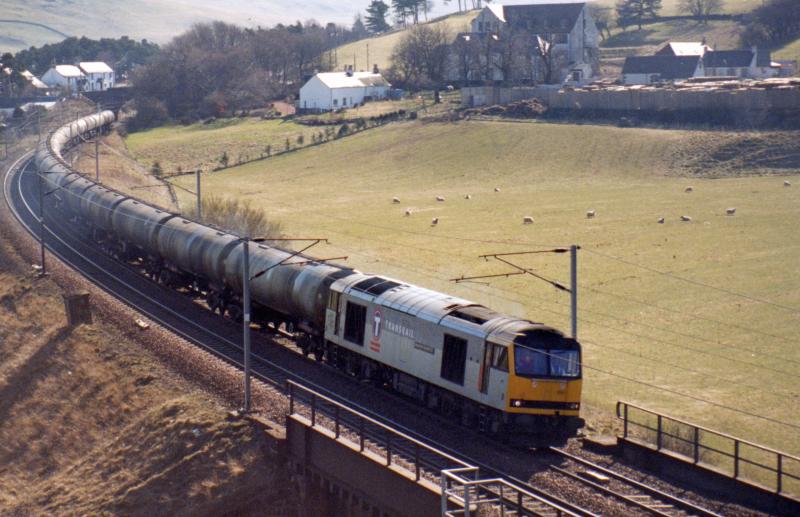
[651,491]
[16,172]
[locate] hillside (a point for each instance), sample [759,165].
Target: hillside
[634,322]
[92,422]
[157,21]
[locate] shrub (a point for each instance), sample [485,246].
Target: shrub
[238,217]
[224,160]
[156,169]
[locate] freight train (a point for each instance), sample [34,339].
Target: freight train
[492,371]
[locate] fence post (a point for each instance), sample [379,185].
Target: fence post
[313,409]
[388,448]
[780,474]
[444,493]
[416,462]
[291,399]
[336,413]
[361,434]
[625,428]
[736,459]
[466,499]
[502,502]
[696,445]
[658,437]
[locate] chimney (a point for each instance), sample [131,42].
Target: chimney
[349,71]
[375,69]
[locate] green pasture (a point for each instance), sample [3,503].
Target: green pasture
[202,145]
[726,334]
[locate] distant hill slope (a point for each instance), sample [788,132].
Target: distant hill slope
[156,20]
[380,48]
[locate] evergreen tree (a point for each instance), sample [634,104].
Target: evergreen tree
[376,17]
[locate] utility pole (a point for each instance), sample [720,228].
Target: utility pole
[246,322]
[199,198]
[573,288]
[43,271]
[97,151]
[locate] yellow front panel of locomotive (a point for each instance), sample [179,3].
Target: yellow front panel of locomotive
[543,390]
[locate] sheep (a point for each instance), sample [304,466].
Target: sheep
[497,189]
[527,220]
[786,183]
[440,198]
[467,197]
[686,219]
[408,212]
[590,214]
[395,200]
[434,221]
[660,220]
[689,189]
[730,211]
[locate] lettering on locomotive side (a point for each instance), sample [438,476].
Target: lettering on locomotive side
[399,328]
[423,347]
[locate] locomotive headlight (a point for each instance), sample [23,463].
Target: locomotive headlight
[574,405]
[517,403]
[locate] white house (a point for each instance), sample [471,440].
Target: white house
[99,76]
[336,90]
[64,76]
[683,48]
[754,64]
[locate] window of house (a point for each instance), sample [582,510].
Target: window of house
[480,26]
[355,319]
[344,101]
[335,102]
[454,359]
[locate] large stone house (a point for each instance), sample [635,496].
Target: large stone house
[540,42]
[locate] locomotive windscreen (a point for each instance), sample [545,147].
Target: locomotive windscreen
[546,354]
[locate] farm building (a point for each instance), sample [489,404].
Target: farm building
[661,68]
[34,81]
[752,64]
[541,41]
[337,90]
[683,48]
[68,77]
[99,76]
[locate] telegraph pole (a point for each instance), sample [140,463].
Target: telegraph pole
[573,288]
[199,198]
[246,322]
[43,271]
[97,151]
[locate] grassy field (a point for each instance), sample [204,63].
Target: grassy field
[202,145]
[380,48]
[640,326]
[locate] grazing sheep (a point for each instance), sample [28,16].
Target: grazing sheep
[689,189]
[660,220]
[686,219]
[467,197]
[527,220]
[434,221]
[395,200]
[786,183]
[440,198]
[730,211]
[408,212]
[497,189]
[590,214]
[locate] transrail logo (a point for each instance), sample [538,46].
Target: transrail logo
[377,326]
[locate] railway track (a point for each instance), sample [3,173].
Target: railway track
[180,314]
[186,318]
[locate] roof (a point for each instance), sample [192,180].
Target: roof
[68,71]
[684,48]
[95,67]
[540,16]
[728,58]
[668,67]
[356,80]
[33,79]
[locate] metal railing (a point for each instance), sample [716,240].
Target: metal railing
[460,481]
[739,459]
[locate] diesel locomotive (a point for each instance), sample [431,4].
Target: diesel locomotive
[492,371]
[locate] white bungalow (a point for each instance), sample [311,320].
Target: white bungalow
[68,77]
[99,76]
[337,90]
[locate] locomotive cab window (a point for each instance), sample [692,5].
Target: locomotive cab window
[355,319]
[454,359]
[333,301]
[499,357]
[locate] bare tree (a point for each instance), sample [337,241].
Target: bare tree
[701,9]
[420,58]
